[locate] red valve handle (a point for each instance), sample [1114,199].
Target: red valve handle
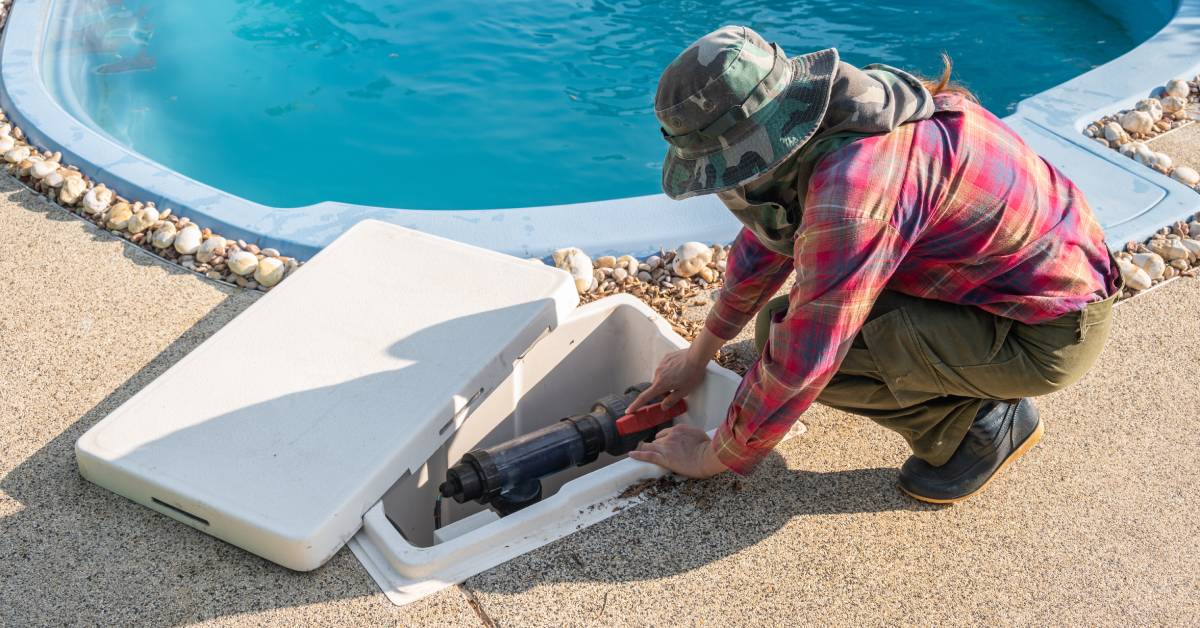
[648,416]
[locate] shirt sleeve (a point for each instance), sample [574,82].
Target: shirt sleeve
[843,261]
[753,273]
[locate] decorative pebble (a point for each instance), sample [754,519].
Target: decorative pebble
[1152,106]
[1173,104]
[707,274]
[653,262]
[1137,122]
[606,261]
[1193,248]
[1194,229]
[1186,176]
[1169,249]
[188,240]
[1144,155]
[214,246]
[143,220]
[1130,149]
[119,216]
[72,190]
[1134,277]
[163,236]
[43,169]
[1114,133]
[272,253]
[242,263]
[644,276]
[97,199]
[7,143]
[17,154]
[270,271]
[1177,88]
[1162,162]
[629,263]
[1152,263]
[690,257]
[620,274]
[576,262]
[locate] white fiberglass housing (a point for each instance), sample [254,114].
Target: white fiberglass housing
[328,411]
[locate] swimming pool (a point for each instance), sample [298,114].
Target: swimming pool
[1130,203]
[482,104]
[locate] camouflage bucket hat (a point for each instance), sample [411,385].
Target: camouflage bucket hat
[733,106]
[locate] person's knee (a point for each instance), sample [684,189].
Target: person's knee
[1053,381]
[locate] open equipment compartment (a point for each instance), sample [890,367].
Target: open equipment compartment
[603,347]
[327,412]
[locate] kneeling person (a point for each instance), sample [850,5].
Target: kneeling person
[944,272]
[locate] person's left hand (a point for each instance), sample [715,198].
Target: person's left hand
[683,449]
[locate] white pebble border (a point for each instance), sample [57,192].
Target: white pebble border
[1172,252]
[1168,107]
[692,265]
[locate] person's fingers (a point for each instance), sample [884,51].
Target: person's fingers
[651,446]
[671,399]
[649,456]
[653,391]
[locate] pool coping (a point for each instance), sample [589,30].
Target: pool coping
[1130,200]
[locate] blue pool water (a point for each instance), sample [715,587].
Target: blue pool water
[485,103]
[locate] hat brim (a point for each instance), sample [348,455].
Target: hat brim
[772,134]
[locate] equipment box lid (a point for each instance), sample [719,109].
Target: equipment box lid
[288,424]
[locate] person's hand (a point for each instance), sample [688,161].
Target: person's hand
[683,449]
[677,376]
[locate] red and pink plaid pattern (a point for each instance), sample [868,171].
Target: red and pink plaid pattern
[955,208]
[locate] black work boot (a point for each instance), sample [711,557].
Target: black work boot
[1002,432]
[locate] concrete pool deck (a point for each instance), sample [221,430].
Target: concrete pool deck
[1096,526]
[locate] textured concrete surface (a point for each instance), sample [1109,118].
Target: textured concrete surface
[85,322]
[1098,525]
[1183,145]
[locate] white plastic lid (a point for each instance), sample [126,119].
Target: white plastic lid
[288,424]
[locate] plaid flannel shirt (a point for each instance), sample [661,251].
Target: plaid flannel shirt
[954,208]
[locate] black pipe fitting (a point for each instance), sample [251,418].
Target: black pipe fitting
[508,476]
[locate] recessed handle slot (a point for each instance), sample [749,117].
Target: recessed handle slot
[180,511]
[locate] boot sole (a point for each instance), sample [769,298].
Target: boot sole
[1021,450]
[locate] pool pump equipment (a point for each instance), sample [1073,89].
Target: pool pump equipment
[508,476]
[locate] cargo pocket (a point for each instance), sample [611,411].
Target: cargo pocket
[904,360]
[1003,326]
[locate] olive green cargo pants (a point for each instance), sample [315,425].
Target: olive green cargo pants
[923,368]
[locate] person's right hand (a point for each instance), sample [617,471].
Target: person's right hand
[677,376]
